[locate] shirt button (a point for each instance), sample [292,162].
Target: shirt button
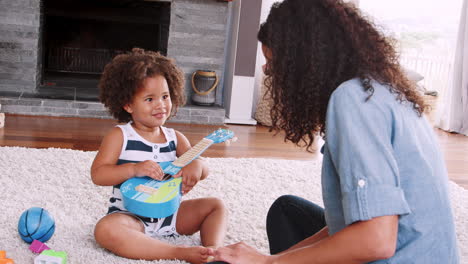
[155,156]
[361,183]
[155,146]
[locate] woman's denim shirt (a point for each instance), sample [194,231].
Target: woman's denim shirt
[381,158]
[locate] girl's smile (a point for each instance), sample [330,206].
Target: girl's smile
[160,115]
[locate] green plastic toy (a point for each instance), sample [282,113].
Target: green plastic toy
[51,256]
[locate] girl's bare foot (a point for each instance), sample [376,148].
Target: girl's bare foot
[211,252]
[195,255]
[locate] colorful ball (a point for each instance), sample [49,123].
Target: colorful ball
[36,224]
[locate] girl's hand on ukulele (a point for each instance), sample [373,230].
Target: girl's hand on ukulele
[148,168]
[191,175]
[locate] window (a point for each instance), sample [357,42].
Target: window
[426,31]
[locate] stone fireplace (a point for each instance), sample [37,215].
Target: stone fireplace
[52,52]
[81,37]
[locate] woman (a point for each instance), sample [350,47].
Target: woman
[330,71]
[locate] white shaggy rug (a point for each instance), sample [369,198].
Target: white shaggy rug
[59,181]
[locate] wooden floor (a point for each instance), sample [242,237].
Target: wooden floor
[253,141]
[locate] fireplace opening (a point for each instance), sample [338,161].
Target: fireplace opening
[81,36]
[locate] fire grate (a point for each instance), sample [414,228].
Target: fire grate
[79,60]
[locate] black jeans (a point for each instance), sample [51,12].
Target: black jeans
[290,220]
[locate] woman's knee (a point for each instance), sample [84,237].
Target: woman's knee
[290,208]
[287,198]
[280,202]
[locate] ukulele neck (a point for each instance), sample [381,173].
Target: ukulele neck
[193,153]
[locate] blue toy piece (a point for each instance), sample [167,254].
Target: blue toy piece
[36,224]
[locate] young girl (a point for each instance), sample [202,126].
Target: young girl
[144,89]
[384,180]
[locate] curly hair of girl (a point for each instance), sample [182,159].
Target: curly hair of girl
[125,74]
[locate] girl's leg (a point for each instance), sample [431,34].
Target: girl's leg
[124,236]
[290,220]
[207,215]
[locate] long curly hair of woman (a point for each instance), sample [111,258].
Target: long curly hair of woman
[124,75]
[316,45]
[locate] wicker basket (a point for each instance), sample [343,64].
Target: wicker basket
[265,102]
[431,98]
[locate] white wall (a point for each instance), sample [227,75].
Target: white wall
[238,94]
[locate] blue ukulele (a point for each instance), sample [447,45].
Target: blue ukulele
[152,198]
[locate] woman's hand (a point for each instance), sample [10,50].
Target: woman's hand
[148,168]
[240,253]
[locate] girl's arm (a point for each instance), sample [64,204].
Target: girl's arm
[360,242]
[195,171]
[105,170]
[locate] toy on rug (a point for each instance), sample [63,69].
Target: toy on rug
[37,246]
[3,259]
[36,224]
[51,257]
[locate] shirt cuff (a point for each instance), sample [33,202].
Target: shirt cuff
[366,203]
